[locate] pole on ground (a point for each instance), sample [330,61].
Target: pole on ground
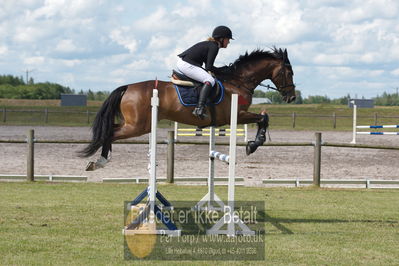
[317,160]
[30,160]
[170,157]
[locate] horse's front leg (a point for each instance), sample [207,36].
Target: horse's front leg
[262,120]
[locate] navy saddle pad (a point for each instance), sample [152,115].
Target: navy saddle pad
[188,96]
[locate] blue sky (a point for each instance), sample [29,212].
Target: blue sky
[335,47]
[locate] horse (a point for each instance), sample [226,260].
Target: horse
[131,104]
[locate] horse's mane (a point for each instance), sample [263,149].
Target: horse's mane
[275,53]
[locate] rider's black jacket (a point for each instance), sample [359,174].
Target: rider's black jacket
[200,53]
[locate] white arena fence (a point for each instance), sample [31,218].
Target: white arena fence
[196,180]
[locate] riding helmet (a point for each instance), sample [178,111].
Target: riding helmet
[222,32]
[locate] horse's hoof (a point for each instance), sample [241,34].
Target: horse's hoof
[91,166]
[251,147]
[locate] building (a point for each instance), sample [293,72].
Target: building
[260,101]
[361,103]
[73,100]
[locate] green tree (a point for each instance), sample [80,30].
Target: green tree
[299,99]
[316,99]
[259,94]
[11,80]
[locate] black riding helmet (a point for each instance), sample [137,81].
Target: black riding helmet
[222,32]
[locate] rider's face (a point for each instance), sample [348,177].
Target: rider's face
[225,42]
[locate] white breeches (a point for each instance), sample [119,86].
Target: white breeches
[194,72]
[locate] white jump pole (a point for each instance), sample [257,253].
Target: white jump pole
[153,157]
[208,201]
[176,129]
[246,133]
[229,217]
[354,122]
[151,192]
[232,165]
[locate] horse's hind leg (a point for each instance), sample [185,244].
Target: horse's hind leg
[104,158]
[130,131]
[124,132]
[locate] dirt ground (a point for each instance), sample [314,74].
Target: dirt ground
[130,160]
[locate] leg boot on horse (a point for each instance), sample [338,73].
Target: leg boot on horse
[260,135]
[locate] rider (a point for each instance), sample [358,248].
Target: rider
[191,61]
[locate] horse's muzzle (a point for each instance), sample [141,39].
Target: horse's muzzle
[291,99]
[288,99]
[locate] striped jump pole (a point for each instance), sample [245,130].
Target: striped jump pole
[355,127]
[230,218]
[145,223]
[211,201]
[198,132]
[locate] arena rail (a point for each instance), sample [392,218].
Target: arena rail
[368,183]
[60,178]
[316,144]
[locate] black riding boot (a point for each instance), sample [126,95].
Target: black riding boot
[199,110]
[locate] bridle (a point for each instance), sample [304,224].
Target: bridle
[253,81]
[283,73]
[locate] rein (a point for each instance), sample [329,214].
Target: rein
[274,88]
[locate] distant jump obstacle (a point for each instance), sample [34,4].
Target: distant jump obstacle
[208,201]
[198,132]
[355,127]
[145,223]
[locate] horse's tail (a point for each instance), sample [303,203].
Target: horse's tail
[103,125]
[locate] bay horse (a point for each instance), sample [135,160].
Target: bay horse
[131,104]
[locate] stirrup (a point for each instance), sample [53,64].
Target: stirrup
[200,112]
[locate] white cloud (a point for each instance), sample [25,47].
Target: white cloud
[159,20]
[71,63]
[141,64]
[34,60]
[160,42]
[3,49]
[395,72]
[66,45]
[123,36]
[30,34]
[185,12]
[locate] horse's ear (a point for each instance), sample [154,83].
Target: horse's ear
[285,53]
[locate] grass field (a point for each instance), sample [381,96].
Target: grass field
[80,224]
[308,117]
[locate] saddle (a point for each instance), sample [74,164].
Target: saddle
[180,79]
[187,91]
